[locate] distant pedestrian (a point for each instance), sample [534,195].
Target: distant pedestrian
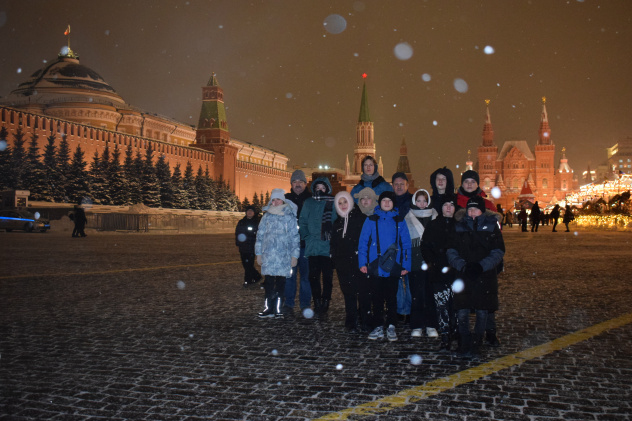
[344,253]
[80,220]
[384,234]
[523,219]
[245,238]
[555,214]
[277,248]
[535,216]
[371,178]
[568,217]
[316,225]
[509,217]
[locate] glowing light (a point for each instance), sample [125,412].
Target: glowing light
[403,51]
[364,75]
[496,192]
[424,266]
[19,70]
[445,269]
[434,122]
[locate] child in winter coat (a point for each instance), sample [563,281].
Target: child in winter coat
[385,227]
[422,308]
[245,237]
[277,248]
[344,253]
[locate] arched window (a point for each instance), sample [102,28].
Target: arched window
[545,183]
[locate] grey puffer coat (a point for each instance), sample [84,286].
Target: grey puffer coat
[278,241]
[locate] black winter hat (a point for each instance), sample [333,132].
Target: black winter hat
[450,197]
[476,202]
[470,174]
[387,194]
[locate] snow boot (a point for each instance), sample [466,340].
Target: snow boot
[278,313]
[491,339]
[268,309]
[445,343]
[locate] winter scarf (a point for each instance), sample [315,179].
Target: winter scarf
[415,227]
[371,177]
[326,224]
[475,193]
[277,210]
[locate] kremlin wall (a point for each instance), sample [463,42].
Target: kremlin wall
[66,98]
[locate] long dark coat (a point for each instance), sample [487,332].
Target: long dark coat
[344,250]
[246,234]
[477,241]
[434,246]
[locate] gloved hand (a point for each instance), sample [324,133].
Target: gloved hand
[473,270]
[294,262]
[260,260]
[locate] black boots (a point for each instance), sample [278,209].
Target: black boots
[445,343]
[491,339]
[325,306]
[268,309]
[271,308]
[318,305]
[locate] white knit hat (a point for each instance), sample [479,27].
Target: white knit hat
[278,194]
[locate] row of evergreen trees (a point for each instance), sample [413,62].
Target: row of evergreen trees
[56,176]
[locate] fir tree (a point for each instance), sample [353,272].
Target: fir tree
[203,191]
[163,174]
[212,189]
[5,159]
[17,162]
[132,168]
[244,204]
[188,184]
[98,183]
[267,200]
[180,195]
[256,202]
[78,179]
[118,183]
[150,187]
[63,171]
[51,189]
[34,171]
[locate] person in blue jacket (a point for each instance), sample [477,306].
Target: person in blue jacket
[277,248]
[371,178]
[316,225]
[387,225]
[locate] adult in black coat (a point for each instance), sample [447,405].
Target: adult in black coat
[245,238]
[434,245]
[555,214]
[475,250]
[80,220]
[344,253]
[535,216]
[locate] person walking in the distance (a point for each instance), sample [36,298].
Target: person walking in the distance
[568,217]
[555,214]
[277,248]
[535,216]
[245,238]
[80,220]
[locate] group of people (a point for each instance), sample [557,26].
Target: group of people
[432,256]
[538,216]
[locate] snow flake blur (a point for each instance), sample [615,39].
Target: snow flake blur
[460,85]
[403,51]
[335,24]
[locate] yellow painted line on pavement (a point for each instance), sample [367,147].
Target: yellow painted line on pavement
[106,272]
[410,396]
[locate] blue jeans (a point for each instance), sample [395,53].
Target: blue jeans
[305,291]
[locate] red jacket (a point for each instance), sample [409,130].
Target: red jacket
[461,200]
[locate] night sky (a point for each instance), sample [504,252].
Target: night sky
[293,84]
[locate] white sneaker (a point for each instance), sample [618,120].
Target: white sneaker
[417,333]
[432,332]
[390,333]
[378,333]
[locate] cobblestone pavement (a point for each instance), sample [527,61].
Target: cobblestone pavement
[132,326]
